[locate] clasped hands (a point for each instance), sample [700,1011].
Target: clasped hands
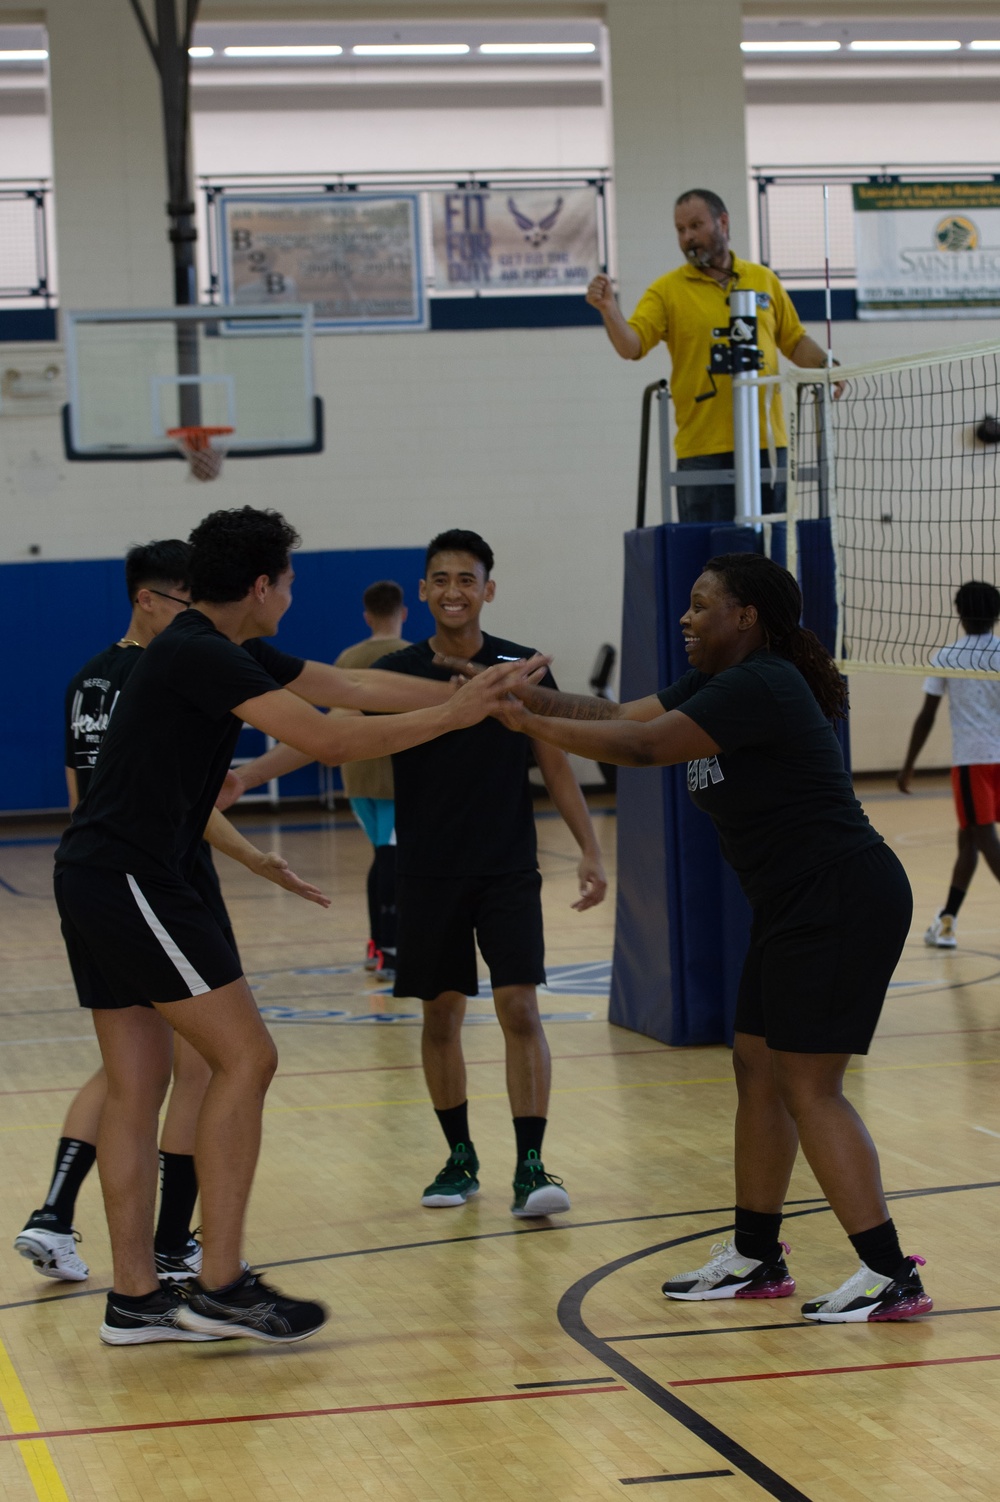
[508,676]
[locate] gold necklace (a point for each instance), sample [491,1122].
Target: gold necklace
[127,641]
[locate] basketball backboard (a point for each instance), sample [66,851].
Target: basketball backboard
[132,375]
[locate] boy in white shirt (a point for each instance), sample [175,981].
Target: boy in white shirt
[974,708]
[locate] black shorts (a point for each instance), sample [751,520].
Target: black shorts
[133,941]
[440,921]
[822,954]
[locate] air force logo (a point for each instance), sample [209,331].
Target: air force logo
[702,772]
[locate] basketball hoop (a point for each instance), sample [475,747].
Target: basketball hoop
[203,448]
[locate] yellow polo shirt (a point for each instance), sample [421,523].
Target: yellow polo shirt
[682,308]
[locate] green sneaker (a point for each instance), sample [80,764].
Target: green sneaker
[537,1192]
[456,1181]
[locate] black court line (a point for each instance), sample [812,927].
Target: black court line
[792,1324]
[570,1315]
[672,1476]
[566,1382]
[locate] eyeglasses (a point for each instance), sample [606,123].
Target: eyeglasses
[176,598]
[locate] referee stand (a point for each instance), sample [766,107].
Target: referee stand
[682,923]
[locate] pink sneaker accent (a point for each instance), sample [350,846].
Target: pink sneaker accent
[768,1290]
[921,1304]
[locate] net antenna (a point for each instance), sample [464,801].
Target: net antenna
[168,40]
[912,492]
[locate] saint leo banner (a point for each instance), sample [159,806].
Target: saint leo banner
[928,250]
[515,239]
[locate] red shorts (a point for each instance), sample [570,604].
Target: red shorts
[977,794]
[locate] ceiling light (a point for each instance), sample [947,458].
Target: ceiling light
[790,46]
[27,55]
[523,49]
[201,52]
[985,46]
[331,51]
[411,49]
[907,46]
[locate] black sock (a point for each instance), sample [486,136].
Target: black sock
[955,900]
[135,1301]
[529,1131]
[74,1160]
[455,1125]
[879,1248]
[178,1192]
[757,1235]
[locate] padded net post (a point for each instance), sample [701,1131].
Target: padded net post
[203,448]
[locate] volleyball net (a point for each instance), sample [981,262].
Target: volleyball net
[906,464]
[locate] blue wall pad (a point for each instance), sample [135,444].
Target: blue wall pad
[68,611]
[682,923]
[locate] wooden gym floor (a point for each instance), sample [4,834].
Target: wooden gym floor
[471,1357]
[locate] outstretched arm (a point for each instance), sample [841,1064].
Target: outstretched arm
[549,701]
[918,739]
[368,689]
[567,795]
[670,738]
[222,836]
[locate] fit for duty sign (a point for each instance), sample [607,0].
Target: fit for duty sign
[928,250]
[515,240]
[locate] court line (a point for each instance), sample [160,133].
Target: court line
[35,1453]
[792,1324]
[303,1413]
[570,1316]
[833,1371]
[303,1074]
[672,1476]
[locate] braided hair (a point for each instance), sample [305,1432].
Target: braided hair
[752,579]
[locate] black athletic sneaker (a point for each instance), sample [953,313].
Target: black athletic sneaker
[537,1193]
[179,1265]
[728,1275]
[867,1297]
[250,1308]
[457,1181]
[155,1319]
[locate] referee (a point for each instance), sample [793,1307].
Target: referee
[682,309]
[752,721]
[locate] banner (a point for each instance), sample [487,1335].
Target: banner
[516,240]
[928,250]
[355,257]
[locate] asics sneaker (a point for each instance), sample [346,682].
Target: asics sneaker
[249,1307]
[51,1248]
[456,1182]
[180,1264]
[942,934]
[868,1297]
[155,1319]
[727,1275]
[537,1192]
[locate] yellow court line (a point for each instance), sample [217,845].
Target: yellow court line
[35,1453]
[421,1100]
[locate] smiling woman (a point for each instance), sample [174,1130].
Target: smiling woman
[831,909]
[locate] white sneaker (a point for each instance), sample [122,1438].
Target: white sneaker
[870,1296]
[727,1275]
[941,934]
[52,1253]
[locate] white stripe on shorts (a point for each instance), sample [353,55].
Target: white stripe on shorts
[185,969]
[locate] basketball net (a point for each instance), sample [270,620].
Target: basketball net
[203,448]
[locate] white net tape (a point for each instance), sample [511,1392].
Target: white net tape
[912,491]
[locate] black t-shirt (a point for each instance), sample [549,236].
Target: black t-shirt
[463,801]
[778,793]
[168,747]
[90,699]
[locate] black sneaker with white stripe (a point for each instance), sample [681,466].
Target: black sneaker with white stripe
[140,1322]
[179,1265]
[249,1307]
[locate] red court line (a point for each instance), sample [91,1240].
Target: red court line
[830,1371]
[303,1413]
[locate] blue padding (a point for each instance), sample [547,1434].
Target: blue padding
[68,611]
[682,922]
